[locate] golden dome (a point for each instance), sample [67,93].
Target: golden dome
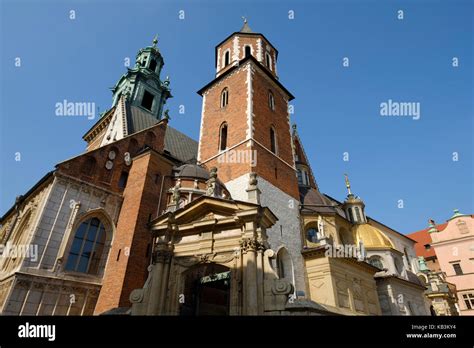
[371,237]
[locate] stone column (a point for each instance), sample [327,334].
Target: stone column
[161,258]
[164,282]
[249,289]
[260,278]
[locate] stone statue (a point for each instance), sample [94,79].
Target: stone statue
[321,227]
[211,183]
[175,193]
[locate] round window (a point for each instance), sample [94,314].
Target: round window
[312,235]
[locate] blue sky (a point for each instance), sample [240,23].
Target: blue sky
[337,109]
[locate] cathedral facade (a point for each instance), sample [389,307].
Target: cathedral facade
[148,221]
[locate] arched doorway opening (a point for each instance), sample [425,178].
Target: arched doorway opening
[206,290]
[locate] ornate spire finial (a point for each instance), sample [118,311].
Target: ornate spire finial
[245,19]
[348,184]
[155,41]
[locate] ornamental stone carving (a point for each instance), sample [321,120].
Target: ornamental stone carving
[251,244]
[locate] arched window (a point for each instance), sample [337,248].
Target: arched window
[312,234]
[358,215]
[87,247]
[273,140]
[223,137]
[351,217]
[376,261]
[268,61]
[271,101]
[224,97]
[226,58]
[248,51]
[17,238]
[285,265]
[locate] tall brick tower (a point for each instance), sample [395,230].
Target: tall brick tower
[245,127]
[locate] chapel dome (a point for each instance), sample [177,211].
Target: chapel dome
[371,236]
[192,171]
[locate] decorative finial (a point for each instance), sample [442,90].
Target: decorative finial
[348,184]
[245,19]
[155,41]
[166,114]
[294,126]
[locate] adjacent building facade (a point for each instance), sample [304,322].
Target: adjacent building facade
[452,244]
[148,221]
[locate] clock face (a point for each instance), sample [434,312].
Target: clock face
[109,165]
[112,155]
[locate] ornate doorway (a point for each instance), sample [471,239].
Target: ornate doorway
[206,290]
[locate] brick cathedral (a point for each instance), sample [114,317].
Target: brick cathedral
[148,221]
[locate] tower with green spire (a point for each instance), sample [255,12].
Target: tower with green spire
[142,85]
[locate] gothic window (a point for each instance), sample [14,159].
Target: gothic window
[224,97]
[223,137]
[248,51]
[15,239]
[271,101]
[226,58]
[312,235]
[273,141]
[147,101]
[87,247]
[123,180]
[268,61]
[153,65]
[376,261]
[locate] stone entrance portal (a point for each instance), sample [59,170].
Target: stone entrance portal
[207,290]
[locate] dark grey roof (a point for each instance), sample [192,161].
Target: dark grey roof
[191,171]
[180,146]
[314,201]
[139,119]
